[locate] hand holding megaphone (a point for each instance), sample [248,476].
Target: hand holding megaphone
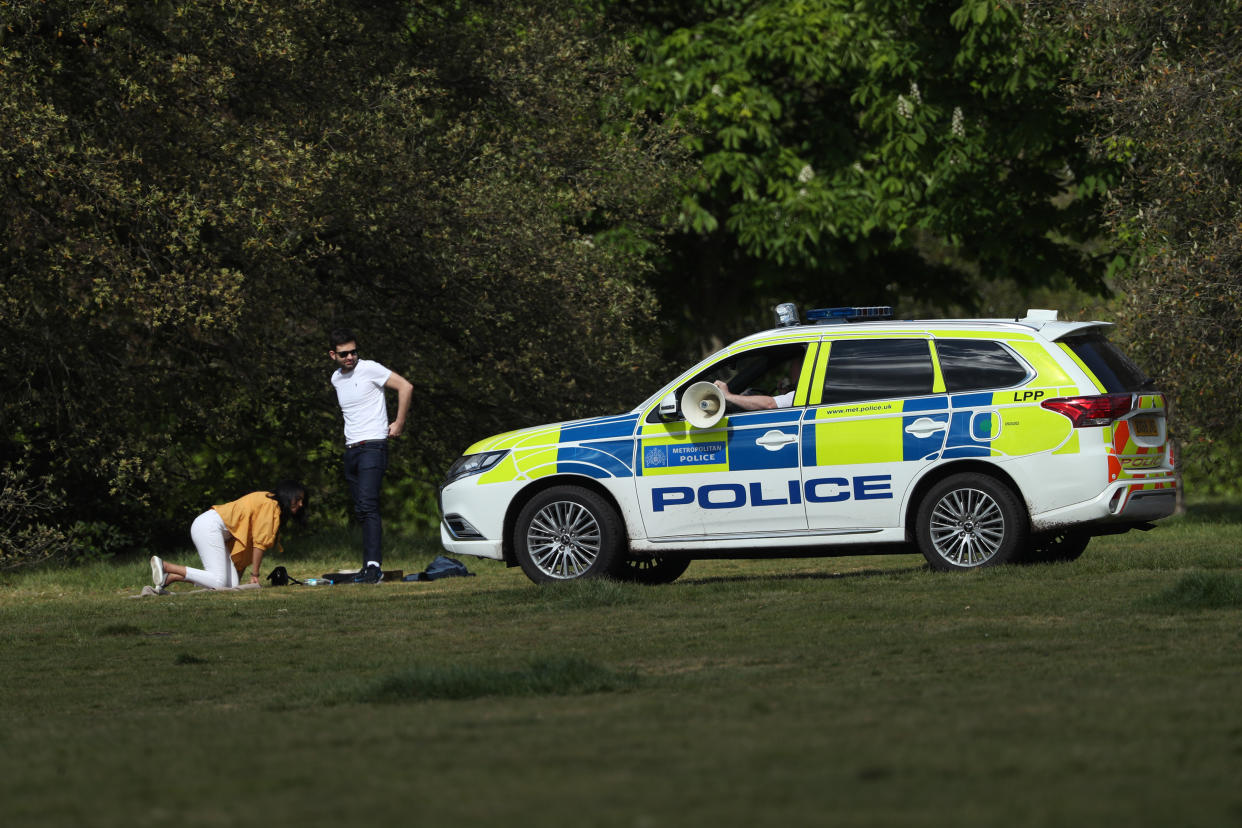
[703,405]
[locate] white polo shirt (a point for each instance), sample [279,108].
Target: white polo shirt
[361,395]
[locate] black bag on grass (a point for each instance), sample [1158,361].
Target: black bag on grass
[281,577]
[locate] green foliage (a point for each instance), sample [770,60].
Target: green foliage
[194,191]
[862,151]
[32,533]
[1211,460]
[1162,83]
[98,541]
[26,507]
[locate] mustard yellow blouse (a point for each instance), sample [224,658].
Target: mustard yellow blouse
[253,521]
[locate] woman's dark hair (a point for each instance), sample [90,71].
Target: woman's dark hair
[284,493]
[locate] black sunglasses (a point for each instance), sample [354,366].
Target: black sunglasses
[343,354]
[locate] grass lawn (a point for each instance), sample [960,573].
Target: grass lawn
[849,691]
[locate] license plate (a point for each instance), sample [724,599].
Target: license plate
[1145,426]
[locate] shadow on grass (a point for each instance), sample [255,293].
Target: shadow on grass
[589,594]
[1215,512]
[869,572]
[555,676]
[119,630]
[1199,591]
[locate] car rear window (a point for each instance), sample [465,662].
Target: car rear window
[1111,367]
[974,364]
[877,369]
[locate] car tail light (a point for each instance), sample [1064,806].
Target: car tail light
[1085,412]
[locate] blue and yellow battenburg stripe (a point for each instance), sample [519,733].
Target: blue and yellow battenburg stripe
[948,426]
[926,428]
[990,424]
[676,448]
[600,448]
[873,432]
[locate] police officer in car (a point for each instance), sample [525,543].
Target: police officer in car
[763,402]
[755,402]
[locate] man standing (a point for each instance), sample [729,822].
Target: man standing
[360,385]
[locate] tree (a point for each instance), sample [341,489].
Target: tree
[860,152]
[194,191]
[1162,85]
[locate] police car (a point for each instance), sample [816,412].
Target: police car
[976,442]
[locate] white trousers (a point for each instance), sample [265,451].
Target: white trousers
[211,540]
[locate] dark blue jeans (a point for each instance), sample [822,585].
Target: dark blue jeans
[364,472]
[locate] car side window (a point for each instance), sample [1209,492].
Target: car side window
[975,364]
[877,369]
[773,371]
[1107,362]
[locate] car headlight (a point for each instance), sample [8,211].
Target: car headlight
[469,464]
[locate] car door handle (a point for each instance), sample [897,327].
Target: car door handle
[925,427]
[776,440]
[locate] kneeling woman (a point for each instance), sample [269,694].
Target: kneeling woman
[233,536]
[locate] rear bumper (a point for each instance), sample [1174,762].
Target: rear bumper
[1123,502]
[1144,506]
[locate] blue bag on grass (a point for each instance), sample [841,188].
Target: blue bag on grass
[441,567]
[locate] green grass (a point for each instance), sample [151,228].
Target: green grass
[850,691]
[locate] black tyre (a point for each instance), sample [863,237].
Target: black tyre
[568,532]
[970,520]
[652,569]
[1057,547]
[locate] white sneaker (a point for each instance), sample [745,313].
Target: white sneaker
[157,572]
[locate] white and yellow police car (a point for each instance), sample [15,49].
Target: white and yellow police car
[978,442]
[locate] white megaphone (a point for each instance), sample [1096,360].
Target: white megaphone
[703,405]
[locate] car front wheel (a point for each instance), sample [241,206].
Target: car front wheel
[566,533]
[970,520]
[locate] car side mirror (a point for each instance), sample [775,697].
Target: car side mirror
[668,407]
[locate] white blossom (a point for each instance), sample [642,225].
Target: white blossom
[805,174]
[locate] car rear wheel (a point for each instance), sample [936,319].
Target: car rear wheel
[970,520]
[566,533]
[652,569]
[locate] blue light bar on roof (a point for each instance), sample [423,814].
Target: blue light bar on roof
[827,316]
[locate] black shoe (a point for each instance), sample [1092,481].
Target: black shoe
[370,575]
